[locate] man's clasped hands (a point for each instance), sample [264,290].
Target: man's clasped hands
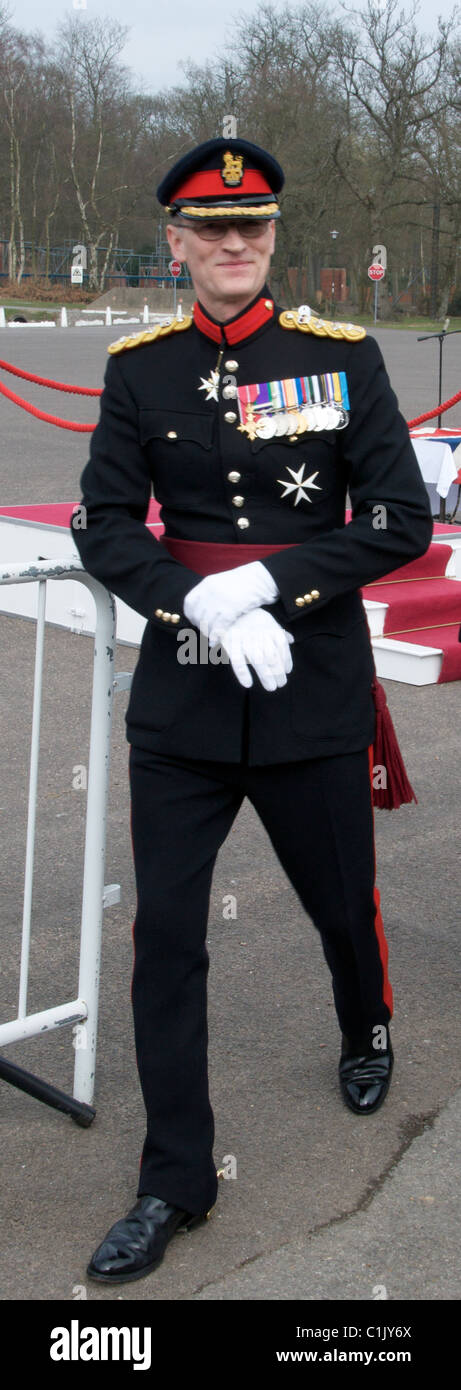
[226,608]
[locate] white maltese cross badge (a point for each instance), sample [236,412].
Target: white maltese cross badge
[210,385]
[299,485]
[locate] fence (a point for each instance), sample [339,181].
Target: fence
[84,1008]
[125,265]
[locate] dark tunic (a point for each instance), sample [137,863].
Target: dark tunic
[159,432]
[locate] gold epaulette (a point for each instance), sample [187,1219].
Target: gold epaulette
[161,330]
[307,322]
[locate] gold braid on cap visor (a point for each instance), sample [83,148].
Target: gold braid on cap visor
[265,210]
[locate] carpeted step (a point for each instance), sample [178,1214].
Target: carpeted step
[417,604]
[424,608]
[447,639]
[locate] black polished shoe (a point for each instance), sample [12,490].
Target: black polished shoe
[136,1245]
[365,1074]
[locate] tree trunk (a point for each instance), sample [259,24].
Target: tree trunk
[12,238]
[20,221]
[108,254]
[93,266]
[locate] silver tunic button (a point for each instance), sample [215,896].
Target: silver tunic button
[230,417]
[234,477]
[238,501]
[231,365]
[243,522]
[229,392]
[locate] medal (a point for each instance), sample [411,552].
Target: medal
[265,427]
[248,426]
[303,424]
[282,425]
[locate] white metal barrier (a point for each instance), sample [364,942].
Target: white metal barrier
[83,1009]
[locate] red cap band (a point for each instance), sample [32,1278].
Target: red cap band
[210,184]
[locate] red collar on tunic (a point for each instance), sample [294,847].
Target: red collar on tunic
[238,328]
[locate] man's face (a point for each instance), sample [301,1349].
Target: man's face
[229,272]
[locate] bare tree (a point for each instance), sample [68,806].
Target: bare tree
[394,83]
[94,87]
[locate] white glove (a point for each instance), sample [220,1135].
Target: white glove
[215,603]
[257,638]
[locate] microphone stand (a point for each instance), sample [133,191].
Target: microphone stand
[445,333]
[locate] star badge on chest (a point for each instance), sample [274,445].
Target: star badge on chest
[210,385]
[300,483]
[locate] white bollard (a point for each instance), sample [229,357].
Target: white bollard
[145,313]
[108,316]
[64,323]
[2,317]
[179,311]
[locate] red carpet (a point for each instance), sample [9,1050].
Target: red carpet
[424,607]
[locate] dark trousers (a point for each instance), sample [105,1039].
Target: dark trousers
[319,816]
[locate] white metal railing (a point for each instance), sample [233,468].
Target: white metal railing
[83,1009]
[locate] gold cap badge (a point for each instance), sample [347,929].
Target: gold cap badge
[232,170]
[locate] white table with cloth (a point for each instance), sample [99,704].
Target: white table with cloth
[439,465]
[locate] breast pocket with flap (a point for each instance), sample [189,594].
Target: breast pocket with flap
[179,447]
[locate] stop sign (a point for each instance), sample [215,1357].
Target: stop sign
[175,268]
[376,271]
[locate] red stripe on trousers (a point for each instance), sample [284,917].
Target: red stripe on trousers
[134,919]
[132,932]
[379,925]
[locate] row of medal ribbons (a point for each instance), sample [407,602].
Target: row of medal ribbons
[294,405]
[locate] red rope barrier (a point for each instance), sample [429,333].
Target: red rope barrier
[41,414]
[54,385]
[431,414]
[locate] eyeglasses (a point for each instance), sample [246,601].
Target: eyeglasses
[215,231]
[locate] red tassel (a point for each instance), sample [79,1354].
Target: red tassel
[386,755]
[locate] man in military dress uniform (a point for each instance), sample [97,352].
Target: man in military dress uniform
[250,424]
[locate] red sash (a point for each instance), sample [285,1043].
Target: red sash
[211,557]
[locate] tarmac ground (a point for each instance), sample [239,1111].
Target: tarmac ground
[324,1206]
